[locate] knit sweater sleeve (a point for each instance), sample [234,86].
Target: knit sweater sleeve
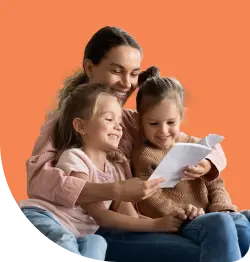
[158,204]
[218,197]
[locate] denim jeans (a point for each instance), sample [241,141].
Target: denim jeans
[91,246]
[209,238]
[246,213]
[243,229]
[217,236]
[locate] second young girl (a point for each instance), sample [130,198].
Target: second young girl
[160,104]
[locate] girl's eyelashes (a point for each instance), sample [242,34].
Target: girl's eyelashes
[109,119]
[156,123]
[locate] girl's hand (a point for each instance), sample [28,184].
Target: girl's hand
[170,223]
[192,211]
[201,169]
[135,189]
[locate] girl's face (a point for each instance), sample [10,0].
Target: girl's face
[161,124]
[104,131]
[119,69]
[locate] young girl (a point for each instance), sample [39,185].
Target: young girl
[86,136]
[160,104]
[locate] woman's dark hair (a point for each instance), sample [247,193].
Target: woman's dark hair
[156,89]
[104,40]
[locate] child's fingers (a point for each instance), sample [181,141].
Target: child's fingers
[154,182]
[192,173]
[193,213]
[188,210]
[151,186]
[189,176]
[151,193]
[200,212]
[194,169]
[182,216]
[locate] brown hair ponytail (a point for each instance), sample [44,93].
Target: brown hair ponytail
[152,71]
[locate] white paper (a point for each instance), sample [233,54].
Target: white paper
[179,157]
[211,140]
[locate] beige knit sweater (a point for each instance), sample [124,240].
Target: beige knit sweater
[207,192]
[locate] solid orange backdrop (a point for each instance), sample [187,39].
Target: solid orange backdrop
[204,44]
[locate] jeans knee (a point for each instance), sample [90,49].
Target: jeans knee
[96,240]
[60,236]
[246,214]
[224,224]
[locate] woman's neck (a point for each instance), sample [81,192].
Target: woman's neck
[96,156]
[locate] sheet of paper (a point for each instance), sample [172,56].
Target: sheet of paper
[214,139]
[211,140]
[180,156]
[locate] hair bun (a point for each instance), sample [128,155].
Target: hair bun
[152,71]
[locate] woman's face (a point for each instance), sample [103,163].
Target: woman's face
[119,69]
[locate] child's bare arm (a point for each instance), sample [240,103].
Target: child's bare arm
[110,219]
[125,208]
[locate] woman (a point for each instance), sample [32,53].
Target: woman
[113,57]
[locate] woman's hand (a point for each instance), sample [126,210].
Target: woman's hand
[192,211]
[201,169]
[170,223]
[135,189]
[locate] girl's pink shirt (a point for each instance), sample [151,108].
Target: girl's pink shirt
[76,218]
[53,184]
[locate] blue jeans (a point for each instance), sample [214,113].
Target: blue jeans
[91,246]
[246,213]
[243,230]
[209,238]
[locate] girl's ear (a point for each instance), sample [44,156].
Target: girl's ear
[79,125]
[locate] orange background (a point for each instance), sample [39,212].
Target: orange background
[204,44]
